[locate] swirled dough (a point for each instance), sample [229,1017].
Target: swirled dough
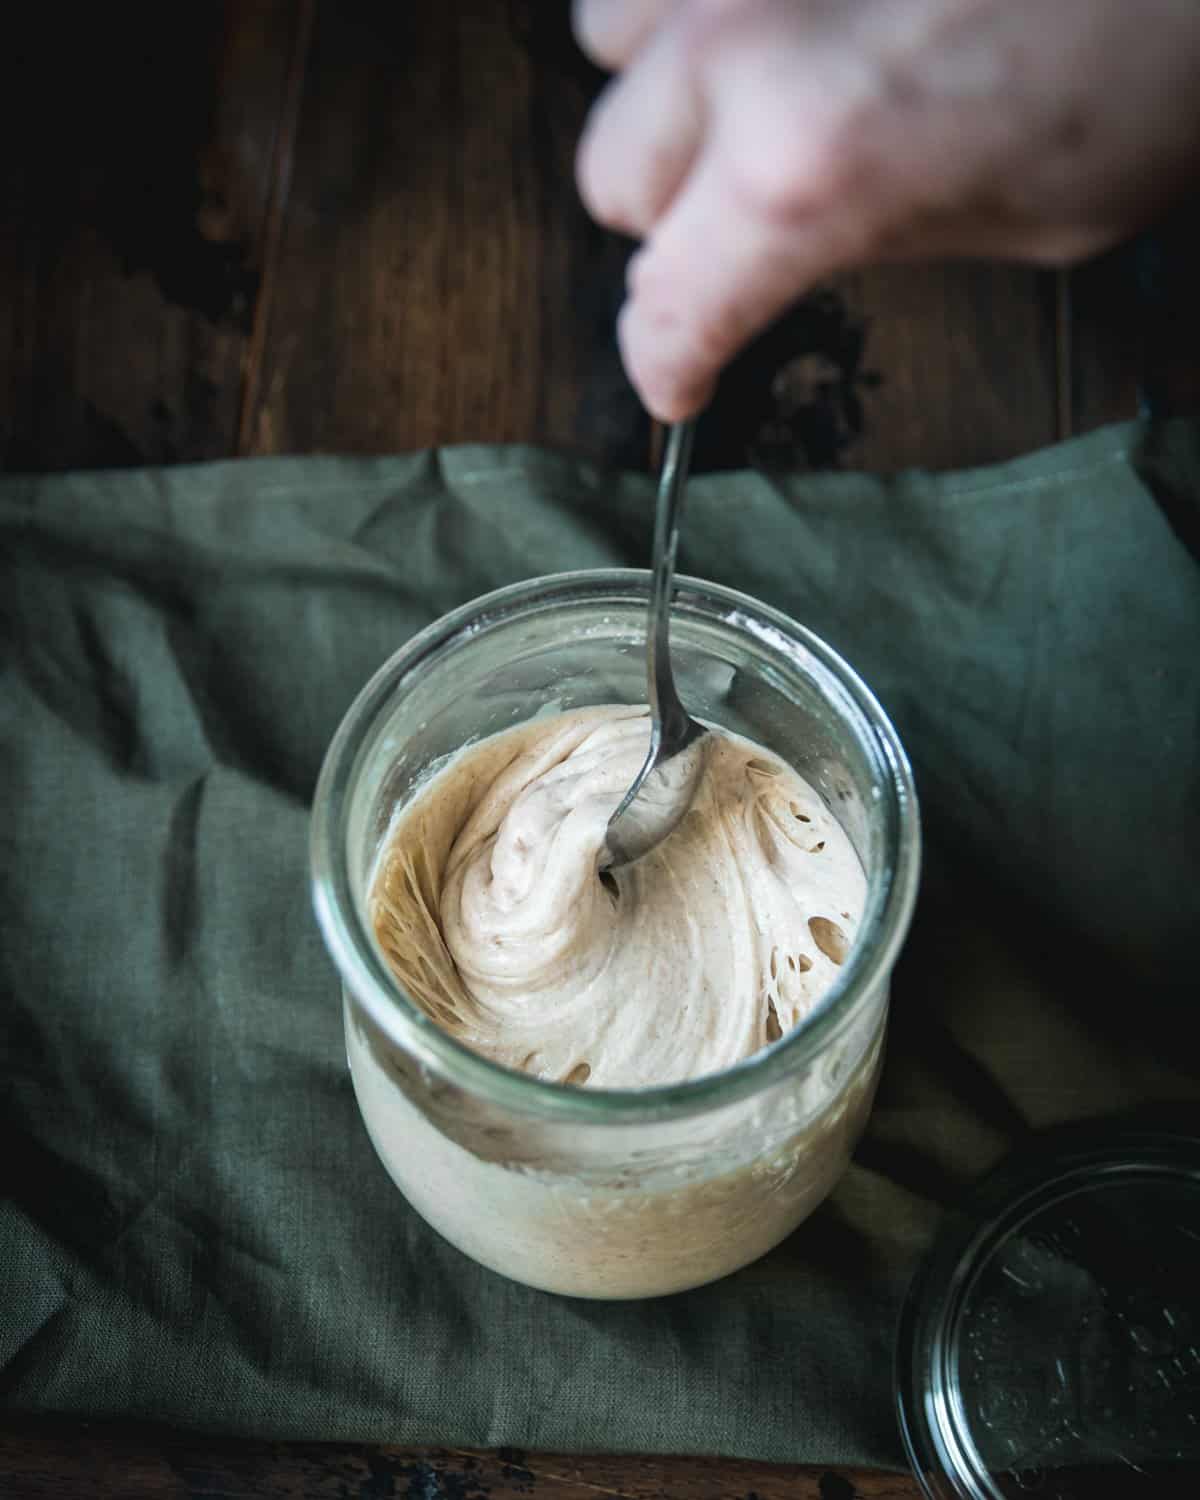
[490,906]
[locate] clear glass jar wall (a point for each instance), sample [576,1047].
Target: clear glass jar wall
[583,1191]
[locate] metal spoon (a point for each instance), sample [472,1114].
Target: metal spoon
[663,789]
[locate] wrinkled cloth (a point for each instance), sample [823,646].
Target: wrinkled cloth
[193,1225]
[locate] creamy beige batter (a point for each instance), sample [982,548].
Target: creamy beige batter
[490,903]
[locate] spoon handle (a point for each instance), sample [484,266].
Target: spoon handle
[670,719]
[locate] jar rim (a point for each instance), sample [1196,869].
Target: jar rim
[364,971]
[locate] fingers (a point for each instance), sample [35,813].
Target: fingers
[695,149]
[721,146]
[641,139]
[612,31]
[707,281]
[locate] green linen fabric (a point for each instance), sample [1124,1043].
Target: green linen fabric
[193,1225]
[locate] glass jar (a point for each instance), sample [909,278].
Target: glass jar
[592,1192]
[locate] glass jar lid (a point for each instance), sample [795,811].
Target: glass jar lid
[1050,1343]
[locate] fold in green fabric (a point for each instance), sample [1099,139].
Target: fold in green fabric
[193,1225]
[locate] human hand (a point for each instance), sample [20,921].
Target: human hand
[758,146]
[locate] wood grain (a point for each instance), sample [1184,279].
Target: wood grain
[1132,323]
[135,194]
[48,1461]
[941,367]
[438,279]
[967,353]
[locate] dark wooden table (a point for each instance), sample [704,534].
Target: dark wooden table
[60,1461]
[280,226]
